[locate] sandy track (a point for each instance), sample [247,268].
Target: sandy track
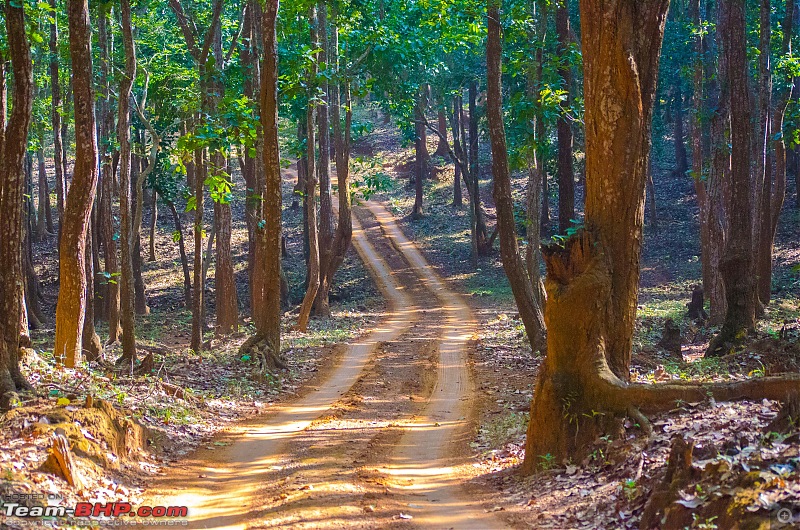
[423,465]
[218,485]
[301,443]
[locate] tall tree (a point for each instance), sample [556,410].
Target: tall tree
[529,309]
[341,133]
[127,314]
[310,191]
[267,270]
[565,171]
[736,265]
[108,237]
[200,55]
[227,302]
[326,215]
[71,308]
[774,189]
[56,106]
[13,140]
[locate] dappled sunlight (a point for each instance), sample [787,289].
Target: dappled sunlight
[220,497]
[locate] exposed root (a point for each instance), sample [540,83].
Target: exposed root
[577,396]
[263,353]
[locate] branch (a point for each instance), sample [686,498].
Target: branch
[137,222]
[238,34]
[210,32]
[361,57]
[187,27]
[461,164]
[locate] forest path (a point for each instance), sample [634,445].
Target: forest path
[425,461]
[374,445]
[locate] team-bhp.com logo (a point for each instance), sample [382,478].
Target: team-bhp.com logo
[94,509]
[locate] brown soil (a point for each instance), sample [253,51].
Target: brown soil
[379,443]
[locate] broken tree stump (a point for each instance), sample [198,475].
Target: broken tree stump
[671,339]
[61,462]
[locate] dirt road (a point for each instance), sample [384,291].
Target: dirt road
[376,444]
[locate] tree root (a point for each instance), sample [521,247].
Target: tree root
[263,353]
[577,397]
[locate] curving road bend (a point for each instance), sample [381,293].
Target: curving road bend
[224,488]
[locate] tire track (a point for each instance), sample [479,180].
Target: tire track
[423,465]
[218,486]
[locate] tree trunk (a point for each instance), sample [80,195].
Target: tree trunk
[127,315]
[198,296]
[420,153]
[140,293]
[12,191]
[109,237]
[71,308]
[651,197]
[441,149]
[681,160]
[44,225]
[565,172]
[32,287]
[326,216]
[592,280]
[55,116]
[736,265]
[529,309]
[224,279]
[774,190]
[533,256]
[474,140]
[458,200]
[267,277]
[249,60]
[153,225]
[187,279]
[344,228]
[698,153]
[90,342]
[310,194]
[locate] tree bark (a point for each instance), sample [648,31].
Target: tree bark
[529,309]
[536,171]
[55,116]
[565,172]
[249,60]
[267,276]
[111,295]
[774,189]
[200,53]
[698,153]
[592,277]
[736,265]
[12,191]
[310,193]
[187,279]
[44,225]
[227,302]
[127,311]
[458,200]
[344,227]
[326,216]
[71,308]
[420,153]
[153,225]
[441,149]
[681,160]
[90,341]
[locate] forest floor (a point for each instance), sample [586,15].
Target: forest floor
[373,425]
[747,465]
